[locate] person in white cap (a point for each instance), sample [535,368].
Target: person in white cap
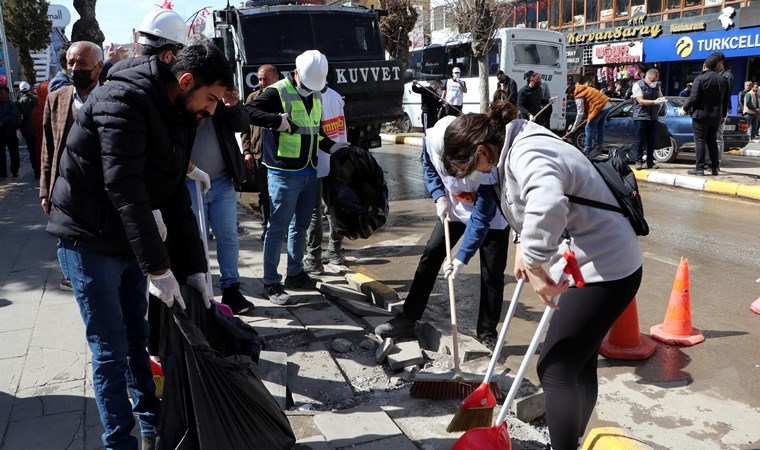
[453,93]
[290,112]
[25,104]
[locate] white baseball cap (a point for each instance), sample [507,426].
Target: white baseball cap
[24,86]
[312,69]
[456,70]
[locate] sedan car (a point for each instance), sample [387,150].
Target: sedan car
[618,130]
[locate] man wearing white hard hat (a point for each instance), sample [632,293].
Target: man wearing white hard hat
[290,112]
[25,104]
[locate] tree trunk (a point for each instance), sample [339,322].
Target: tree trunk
[27,66]
[87,27]
[485,98]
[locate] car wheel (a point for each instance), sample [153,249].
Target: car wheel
[579,140]
[404,124]
[666,154]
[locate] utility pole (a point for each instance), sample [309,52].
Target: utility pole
[8,74]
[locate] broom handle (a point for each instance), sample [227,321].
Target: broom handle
[503,332]
[545,319]
[202,226]
[452,299]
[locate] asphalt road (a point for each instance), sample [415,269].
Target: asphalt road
[701,397]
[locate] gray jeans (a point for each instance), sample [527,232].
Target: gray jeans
[720,138]
[314,233]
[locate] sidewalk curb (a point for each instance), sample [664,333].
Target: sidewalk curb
[612,438]
[653,176]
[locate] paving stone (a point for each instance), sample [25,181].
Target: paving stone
[395,443]
[314,377]
[380,293]
[384,350]
[333,291]
[48,400]
[314,443]
[46,432]
[362,309]
[273,371]
[46,365]
[273,321]
[15,343]
[405,354]
[360,425]
[18,316]
[530,407]
[363,370]
[325,320]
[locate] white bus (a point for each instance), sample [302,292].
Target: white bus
[514,50]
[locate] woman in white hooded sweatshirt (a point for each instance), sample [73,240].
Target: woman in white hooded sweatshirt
[472,206]
[536,172]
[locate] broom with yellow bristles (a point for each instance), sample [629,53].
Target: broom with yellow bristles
[454,383]
[477,409]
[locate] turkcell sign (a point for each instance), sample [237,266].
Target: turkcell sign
[698,46]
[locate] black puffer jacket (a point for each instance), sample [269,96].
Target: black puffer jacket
[126,155]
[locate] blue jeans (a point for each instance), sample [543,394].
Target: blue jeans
[112,295]
[595,129]
[292,200]
[220,206]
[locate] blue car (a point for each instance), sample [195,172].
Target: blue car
[618,130]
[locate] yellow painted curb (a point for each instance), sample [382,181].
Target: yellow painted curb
[721,187]
[380,294]
[746,191]
[734,152]
[641,175]
[612,438]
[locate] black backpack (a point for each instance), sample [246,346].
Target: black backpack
[622,182]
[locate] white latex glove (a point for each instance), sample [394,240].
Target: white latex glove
[198,282]
[682,112]
[166,288]
[531,117]
[201,177]
[442,207]
[160,224]
[338,145]
[660,101]
[451,269]
[284,125]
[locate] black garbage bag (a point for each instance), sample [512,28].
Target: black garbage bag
[355,193]
[211,401]
[625,153]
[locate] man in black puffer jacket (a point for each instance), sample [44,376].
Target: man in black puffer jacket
[127,155]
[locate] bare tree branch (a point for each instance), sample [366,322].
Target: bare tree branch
[396,26]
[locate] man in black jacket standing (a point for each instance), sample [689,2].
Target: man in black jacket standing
[217,153]
[431,101]
[508,84]
[530,96]
[707,105]
[127,155]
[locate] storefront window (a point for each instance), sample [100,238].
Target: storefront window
[567,12]
[654,6]
[591,11]
[622,8]
[672,4]
[554,19]
[714,10]
[690,3]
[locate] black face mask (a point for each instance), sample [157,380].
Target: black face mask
[81,79]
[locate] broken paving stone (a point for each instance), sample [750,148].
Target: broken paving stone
[367,344]
[405,354]
[383,350]
[341,345]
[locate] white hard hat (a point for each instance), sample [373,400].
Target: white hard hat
[161,27]
[312,69]
[24,86]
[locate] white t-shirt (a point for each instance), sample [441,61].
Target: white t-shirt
[334,126]
[454,94]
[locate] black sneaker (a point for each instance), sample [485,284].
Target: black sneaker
[715,171]
[652,166]
[300,281]
[313,267]
[488,341]
[699,172]
[399,326]
[232,297]
[276,294]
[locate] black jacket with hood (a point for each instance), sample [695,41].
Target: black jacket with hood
[127,154]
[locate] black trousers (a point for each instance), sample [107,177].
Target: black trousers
[706,135]
[31,146]
[429,119]
[260,171]
[493,262]
[568,361]
[645,136]
[12,143]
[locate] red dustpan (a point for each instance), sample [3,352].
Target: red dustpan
[497,436]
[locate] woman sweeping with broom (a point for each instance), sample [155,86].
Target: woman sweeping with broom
[472,206]
[536,170]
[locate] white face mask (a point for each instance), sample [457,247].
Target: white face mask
[653,84]
[455,76]
[303,92]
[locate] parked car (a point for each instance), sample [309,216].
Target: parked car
[618,130]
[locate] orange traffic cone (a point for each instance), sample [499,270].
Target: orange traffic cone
[624,341]
[755,306]
[677,327]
